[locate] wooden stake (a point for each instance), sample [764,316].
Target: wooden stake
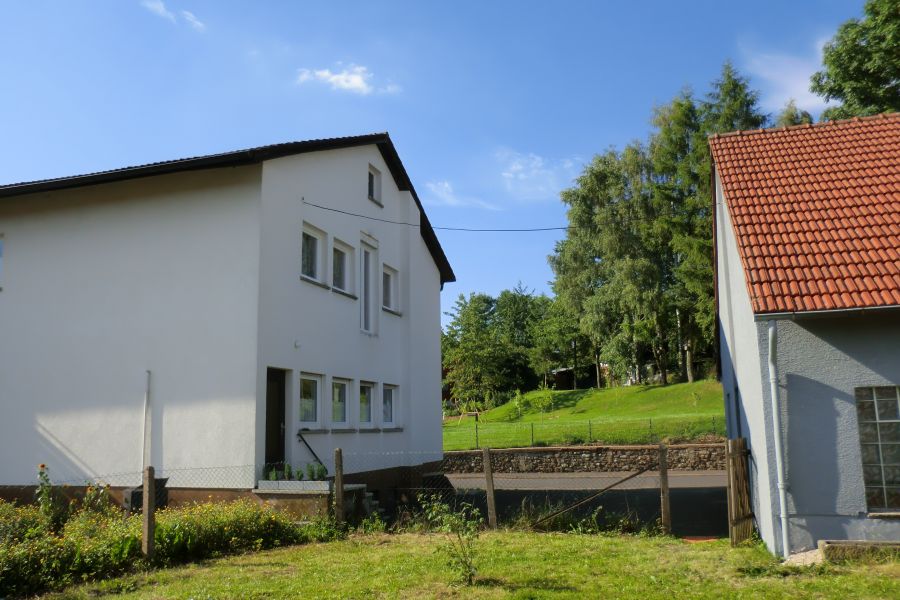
[489,486]
[148,529]
[664,507]
[338,486]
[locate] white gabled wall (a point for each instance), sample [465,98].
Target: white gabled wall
[105,282]
[742,344]
[305,328]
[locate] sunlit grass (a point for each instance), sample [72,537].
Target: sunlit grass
[626,415]
[510,565]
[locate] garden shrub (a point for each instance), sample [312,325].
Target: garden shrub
[97,541]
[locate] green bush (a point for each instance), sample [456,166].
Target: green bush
[97,541]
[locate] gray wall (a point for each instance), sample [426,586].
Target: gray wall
[821,361]
[742,344]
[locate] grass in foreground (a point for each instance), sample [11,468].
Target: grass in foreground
[511,565]
[625,415]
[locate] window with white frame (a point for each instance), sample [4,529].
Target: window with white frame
[389,288]
[388,405]
[365,403]
[374,185]
[367,284]
[312,253]
[309,398]
[339,401]
[878,414]
[342,267]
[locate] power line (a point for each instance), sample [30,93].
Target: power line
[471,229]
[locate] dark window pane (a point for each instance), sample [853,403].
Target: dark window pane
[338,269]
[872,474]
[386,289]
[866,411]
[870,454]
[892,475]
[875,497]
[887,409]
[371,185]
[868,432]
[863,393]
[309,258]
[890,432]
[893,497]
[890,454]
[886,392]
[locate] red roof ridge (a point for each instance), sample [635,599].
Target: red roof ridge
[834,123]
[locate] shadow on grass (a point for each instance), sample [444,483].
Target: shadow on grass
[537,583]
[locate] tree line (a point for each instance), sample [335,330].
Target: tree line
[633,276]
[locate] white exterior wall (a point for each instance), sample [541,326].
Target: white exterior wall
[744,374]
[105,282]
[305,328]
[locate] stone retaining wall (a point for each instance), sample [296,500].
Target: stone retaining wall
[587,459]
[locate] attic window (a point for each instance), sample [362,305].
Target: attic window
[375,185]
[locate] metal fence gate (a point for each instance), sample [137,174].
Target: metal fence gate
[740,517]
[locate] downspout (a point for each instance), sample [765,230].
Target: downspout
[776,425]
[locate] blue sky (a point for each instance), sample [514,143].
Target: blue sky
[494,106]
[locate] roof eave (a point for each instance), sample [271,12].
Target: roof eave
[812,314]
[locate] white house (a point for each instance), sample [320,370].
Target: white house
[243,296]
[807,230]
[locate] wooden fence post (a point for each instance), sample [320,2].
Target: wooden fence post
[664,506]
[489,487]
[148,529]
[338,485]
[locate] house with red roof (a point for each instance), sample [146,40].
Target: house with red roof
[807,256]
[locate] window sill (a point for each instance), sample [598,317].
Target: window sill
[396,313]
[343,293]
[315,282]
[391,429]
[884,515]
[304,430]
[376,201]
[343,430]
[369,430]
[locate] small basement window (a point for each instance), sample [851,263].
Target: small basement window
[878,414]
[388,404]
[375,185]
[309,399]
[365,404]
[339,402]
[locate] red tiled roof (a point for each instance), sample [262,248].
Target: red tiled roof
[816,212]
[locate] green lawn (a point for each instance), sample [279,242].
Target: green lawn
[625,415]
[510,565]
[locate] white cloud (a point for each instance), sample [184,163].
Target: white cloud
[158,8]
[784,76]
[528,177]
[441,193]
[353,78]
[193,20]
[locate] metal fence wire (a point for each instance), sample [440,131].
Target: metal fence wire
[466,433]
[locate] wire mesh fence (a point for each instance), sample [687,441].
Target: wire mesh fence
[468,433]
[396,485]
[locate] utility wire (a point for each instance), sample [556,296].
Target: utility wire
[526,229]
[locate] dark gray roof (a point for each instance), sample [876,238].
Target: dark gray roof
[248,157]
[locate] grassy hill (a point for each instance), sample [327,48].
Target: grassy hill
[625,415]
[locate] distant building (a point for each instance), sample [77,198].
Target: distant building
[807,239]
